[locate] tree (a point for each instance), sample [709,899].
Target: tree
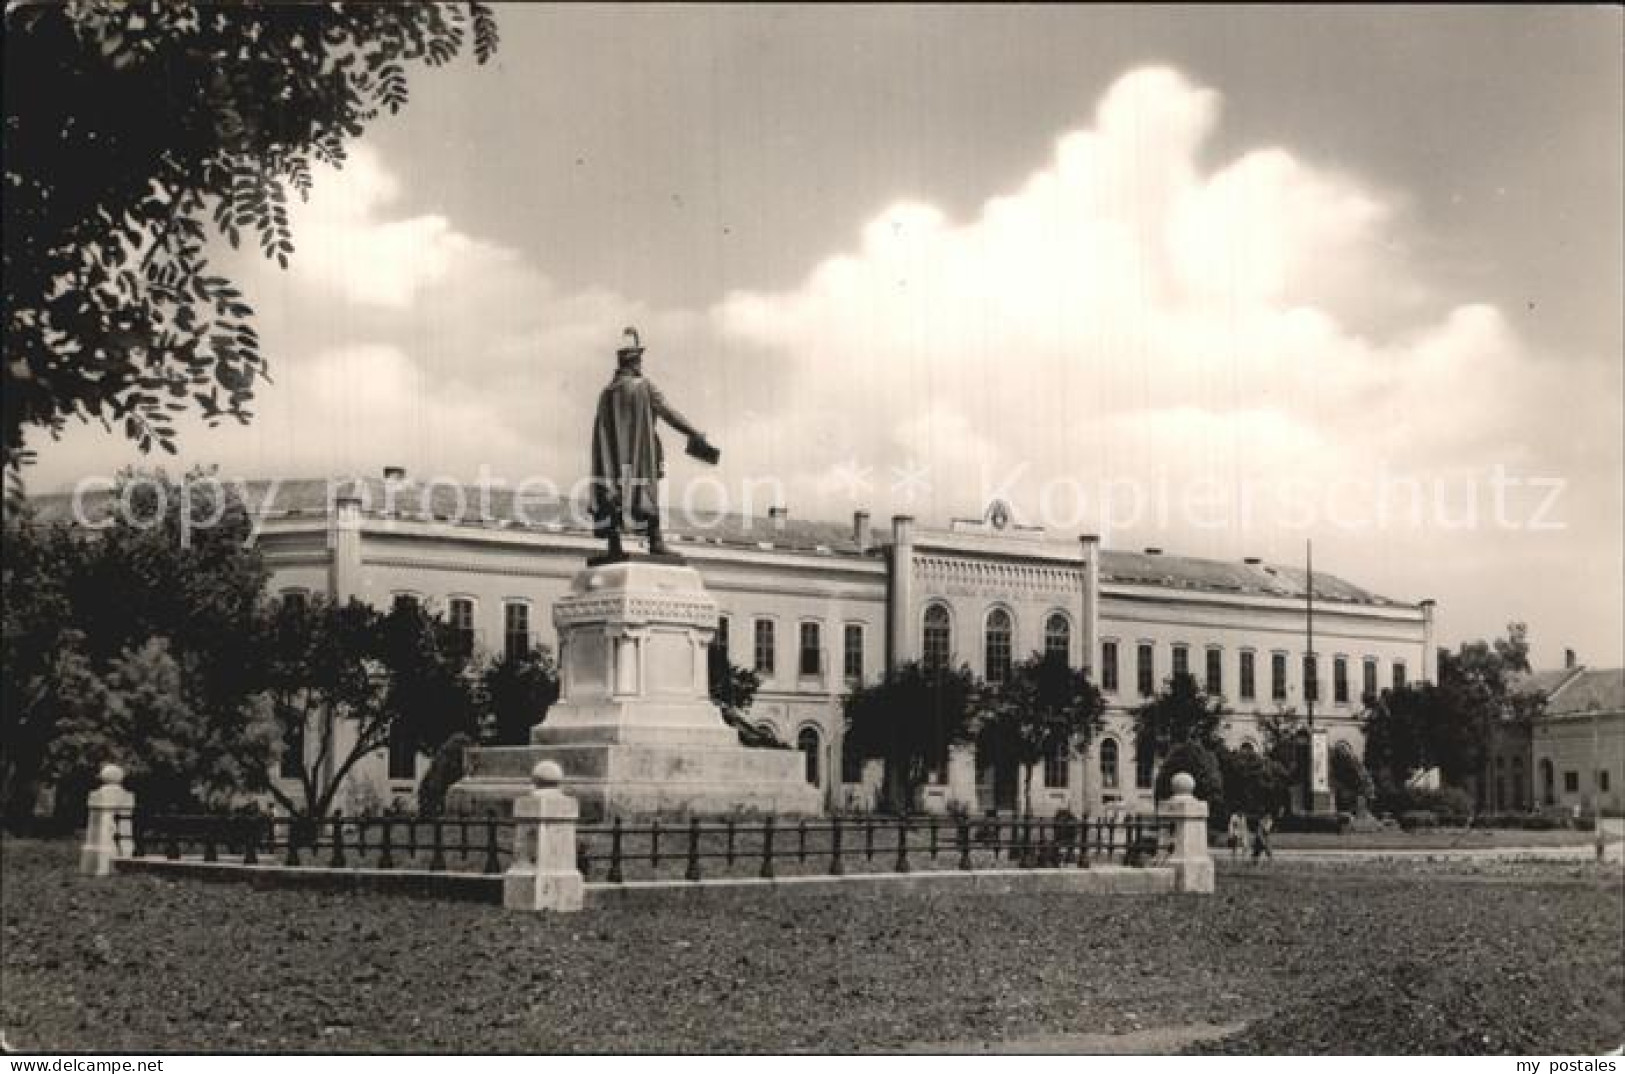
[1350,781]
[1201,763]
[1254,783]
[359,680]
[1449,725]
[1180,714]
[149,569]
[128,128]
[1042,708]
[733,689]
[909,720]
[138,713]
[519,688]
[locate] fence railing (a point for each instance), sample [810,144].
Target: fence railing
[698,850]
[451,844]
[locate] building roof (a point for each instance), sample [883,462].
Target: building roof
[1584,690]
[503,507]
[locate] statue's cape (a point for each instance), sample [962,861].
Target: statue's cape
[626,455]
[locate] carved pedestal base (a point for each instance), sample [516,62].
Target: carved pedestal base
[635,730]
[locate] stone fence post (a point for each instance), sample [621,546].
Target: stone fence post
[1192,864]
[543,875]
[105,803]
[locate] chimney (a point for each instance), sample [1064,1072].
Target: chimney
[394,474]
[1570,659]
[860,530]
[1153,551]
[778,516]
[1252,561]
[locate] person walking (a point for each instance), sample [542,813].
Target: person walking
[1261,837]
[1236,835]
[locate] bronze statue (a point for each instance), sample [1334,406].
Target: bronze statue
[627,460]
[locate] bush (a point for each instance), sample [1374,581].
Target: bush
[445,769]
[1452,802]
[1202,766]
[1413,819]
[1335,824]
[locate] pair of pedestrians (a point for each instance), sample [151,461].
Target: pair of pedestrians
[1259,827]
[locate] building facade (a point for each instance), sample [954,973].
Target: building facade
[818,608]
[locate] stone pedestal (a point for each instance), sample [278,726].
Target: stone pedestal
[1191,861]
[634,730]
[1318,799]
[104,806]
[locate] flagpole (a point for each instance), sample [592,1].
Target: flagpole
[1309,595]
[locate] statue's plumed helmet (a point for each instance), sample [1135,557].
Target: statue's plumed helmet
[631,344]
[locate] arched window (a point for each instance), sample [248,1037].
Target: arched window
[1058,638]
[998,645]
[938,640]
[1108,764]
[807,742]
[1248,747]
[1548,782]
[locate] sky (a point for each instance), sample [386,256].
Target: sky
[1221,281]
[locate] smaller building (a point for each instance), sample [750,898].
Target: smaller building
[1577,747]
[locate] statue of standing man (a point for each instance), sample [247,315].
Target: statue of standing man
[627,461]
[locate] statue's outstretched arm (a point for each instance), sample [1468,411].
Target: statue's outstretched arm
[669,414]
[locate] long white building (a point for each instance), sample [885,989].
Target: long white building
[817,608]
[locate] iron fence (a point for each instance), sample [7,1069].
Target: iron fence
[464,844]
[696,850]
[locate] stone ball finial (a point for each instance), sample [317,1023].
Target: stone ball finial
[111,775]
[546,775]
[1183,783]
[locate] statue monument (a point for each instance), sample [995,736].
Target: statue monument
[634,730]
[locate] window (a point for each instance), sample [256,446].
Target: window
[1215,672]
[1058,638]
[1602,779]
[1057,766]
[1340,680]
[1108,666]
[720,641]
[998,645]
[1399,674]
[764,647]
[1278,676]
[1108,764]
[1145,766]
[403,755]
[812,655]
[852,652]
[937,643]
[1182,660]
[1547,792]
[1368,684]
[1311,677]
[292,764]
[515,629]
[297,599]
[1571,782]
[1145,670]
[1249,686]
[807,742]
[460,615]
[405,600]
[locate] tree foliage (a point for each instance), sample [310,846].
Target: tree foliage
[1448,725]
[141,574]
[518,689]
[908,720]
[1043,707]
[1254,783]
[1201,764]
[345,680]
[138,713]
[1181,713]
[130,130]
